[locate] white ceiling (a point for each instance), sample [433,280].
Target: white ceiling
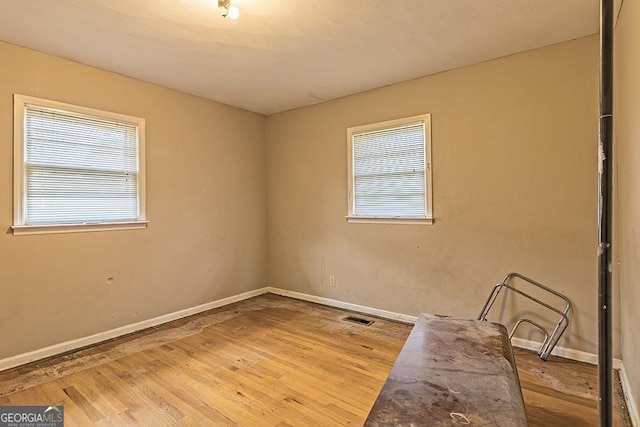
[283,54]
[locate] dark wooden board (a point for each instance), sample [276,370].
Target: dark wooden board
[452,372]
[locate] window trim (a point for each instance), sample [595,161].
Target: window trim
[19,227]
[428,219]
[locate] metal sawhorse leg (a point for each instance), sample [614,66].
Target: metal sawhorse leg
[550,340]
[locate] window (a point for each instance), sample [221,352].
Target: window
[76,169]
[390,171]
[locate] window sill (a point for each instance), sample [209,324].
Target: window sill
[390,220]
[19,230]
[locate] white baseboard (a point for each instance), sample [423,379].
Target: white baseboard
[567,353]
[344,305]
[634,415]
[66,346]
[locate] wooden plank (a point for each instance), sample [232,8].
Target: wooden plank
[452,371]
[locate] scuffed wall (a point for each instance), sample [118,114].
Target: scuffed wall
[627,209]
[514,172]
[205,202]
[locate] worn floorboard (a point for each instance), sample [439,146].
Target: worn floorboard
[562,392]
[267,361]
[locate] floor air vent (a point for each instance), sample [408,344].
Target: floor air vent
[358,320]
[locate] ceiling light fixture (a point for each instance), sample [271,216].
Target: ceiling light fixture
[227,10]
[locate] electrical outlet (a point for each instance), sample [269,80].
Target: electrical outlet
[332,281]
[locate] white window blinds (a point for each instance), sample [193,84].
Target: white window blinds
[79,169]
[389,170]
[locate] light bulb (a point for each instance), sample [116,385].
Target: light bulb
[233,12]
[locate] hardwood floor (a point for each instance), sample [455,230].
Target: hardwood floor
[562,392]
[267,361]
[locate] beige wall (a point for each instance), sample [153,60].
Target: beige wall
[514,190]
[205,202]
[514,152]
[627,154]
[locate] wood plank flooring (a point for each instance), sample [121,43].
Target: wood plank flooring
[267,361]
[562,392]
